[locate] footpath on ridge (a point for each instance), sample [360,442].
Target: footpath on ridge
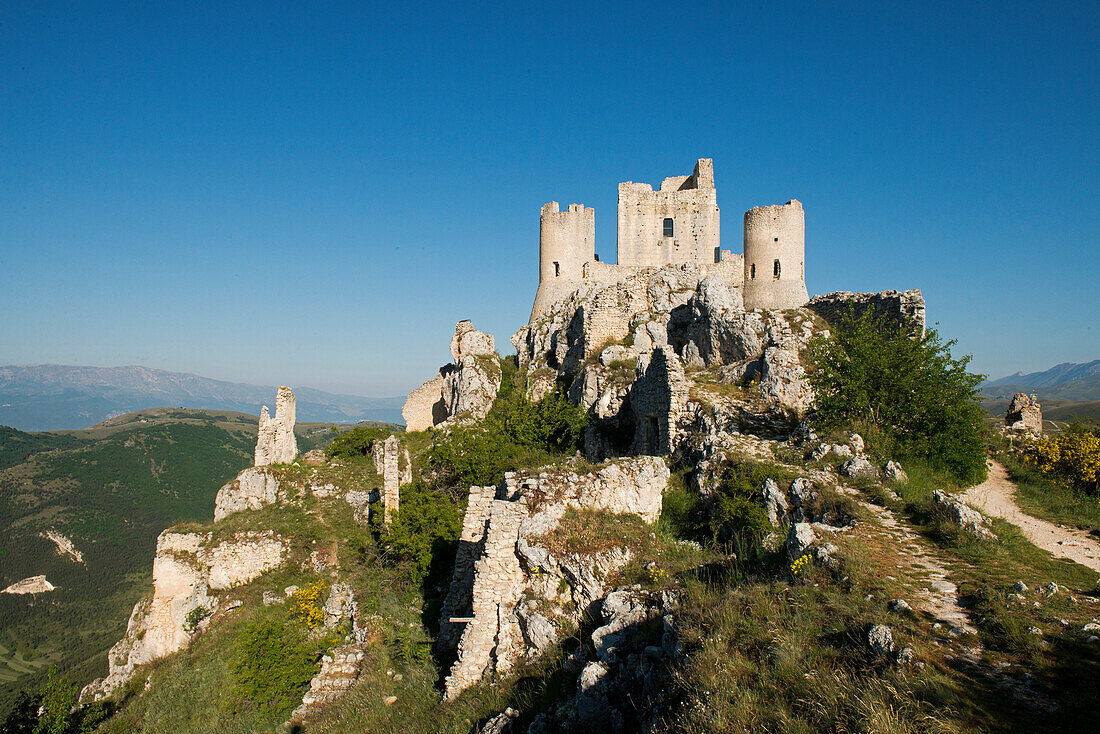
[996,496]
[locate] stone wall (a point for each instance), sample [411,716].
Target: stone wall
[900,306]
[499,559]
[185,570]
[1025,414]
[658,398]
[692,205]
[275,443]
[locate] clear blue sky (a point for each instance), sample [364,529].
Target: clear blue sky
[314,193]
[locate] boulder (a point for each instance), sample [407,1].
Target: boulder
[965,517]
[859,467]
[881,639]
[799,539]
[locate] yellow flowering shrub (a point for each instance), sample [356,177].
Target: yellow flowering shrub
[800,565]
[1073,457]
[306,605]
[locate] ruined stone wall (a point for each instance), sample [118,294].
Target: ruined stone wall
[907,306]
[775,239]
[499,560]
[658,398]
[690,201]
[461,392]
[275,443]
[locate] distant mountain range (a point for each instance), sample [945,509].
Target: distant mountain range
[1066,381]
[45,397]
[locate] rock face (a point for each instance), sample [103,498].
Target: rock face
[463,391]
[276,443]
[1025,414]
[499,559]
[186,569]
[32,585]
[250,490]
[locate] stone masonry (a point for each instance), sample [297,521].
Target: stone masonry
[907,306]
[1025,414]
[276,443]
[499,559]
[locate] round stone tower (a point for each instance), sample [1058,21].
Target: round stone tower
[775,252]
[567,241]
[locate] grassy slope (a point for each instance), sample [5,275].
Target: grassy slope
[112,489]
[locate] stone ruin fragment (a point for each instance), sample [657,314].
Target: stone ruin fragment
[462,391]
[394,465]
[276,443]
[1025,414]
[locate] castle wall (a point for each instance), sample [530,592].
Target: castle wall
[775,254]
[567,241]
[690,201]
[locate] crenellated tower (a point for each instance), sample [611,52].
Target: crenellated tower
[567,241]
[775,254]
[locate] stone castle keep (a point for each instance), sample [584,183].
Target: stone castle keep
[679,224]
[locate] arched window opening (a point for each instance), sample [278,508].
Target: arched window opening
[668,227]
[775,269]
[557,270]
[752,270]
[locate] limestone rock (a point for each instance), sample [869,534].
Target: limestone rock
[276,443]
[461,392]
[965,517]
[31,585]
[799,539]
[859,467]
[881,639]
[314,457]
[502,723]
[856,442]
[252,489]
[775,502]
[894,473]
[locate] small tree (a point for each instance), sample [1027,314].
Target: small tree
[875,371]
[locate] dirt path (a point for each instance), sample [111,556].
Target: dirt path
[997,497]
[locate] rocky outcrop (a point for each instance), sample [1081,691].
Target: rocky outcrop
[252,489]
[967,518]
[500,559]
[276,443]
[64,545]
[624,667]
[31,585]
[902,307]
[463,391]
[1025,414]
[186,569]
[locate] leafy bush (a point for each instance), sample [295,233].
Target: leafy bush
[275,661]
[53,710]
[516,433]
[424,533]
[306,604]
[356,442]
[738,517]
[1072,458]
[875,372]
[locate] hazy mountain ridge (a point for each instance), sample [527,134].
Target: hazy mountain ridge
[55,397]
[1066,381]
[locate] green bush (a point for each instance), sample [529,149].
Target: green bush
[874,372]
[53,710]
[356,442]
[424,533]
[515,434]
[738,517]
[275,661]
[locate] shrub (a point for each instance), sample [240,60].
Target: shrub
[876,372]
[424,533]
[738,517]
[306,605]
[275,661]
[515,433]
[356,442]
[1072,458]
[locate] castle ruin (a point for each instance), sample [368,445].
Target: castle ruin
[678,224]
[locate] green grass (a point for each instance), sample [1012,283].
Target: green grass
[1049,500]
